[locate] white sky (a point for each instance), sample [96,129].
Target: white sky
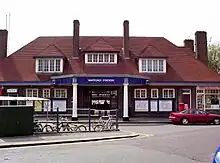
[173,19]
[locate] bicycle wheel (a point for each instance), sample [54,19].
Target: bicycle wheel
[112,127]
[48,128]
[80,128]
[36,129]
[66,128]
[40,127]
[99,128]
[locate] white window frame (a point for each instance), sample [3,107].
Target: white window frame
[48,59]
[60,89]
[152,93]
[103,58]
[44,90]
[135,94]
[32,89]
[141,60]
[169,89]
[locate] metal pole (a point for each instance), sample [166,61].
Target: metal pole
[117,129]
[89,119]
[57,119]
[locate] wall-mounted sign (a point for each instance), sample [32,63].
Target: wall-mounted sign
[153,105]
[29,103]
[61,104]
[38,106]
[141,105]
[100,80]
[165,105]
[85,80]
[47,106]
[214,107]
[14,90]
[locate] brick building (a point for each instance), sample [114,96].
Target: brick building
[141,76]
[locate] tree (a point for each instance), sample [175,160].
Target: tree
[214,56]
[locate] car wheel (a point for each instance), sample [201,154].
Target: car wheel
[209,122]
[185,121]
[216,121]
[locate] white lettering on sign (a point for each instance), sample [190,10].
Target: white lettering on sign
[94,80]
[101,80]
[108,80]
[12,90]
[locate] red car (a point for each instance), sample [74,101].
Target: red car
[194,116]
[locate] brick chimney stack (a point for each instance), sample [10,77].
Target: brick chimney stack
[76,39]
[189,43]
[3,43]
[126,39]
[201,46]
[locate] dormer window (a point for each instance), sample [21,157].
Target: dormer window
[101,58]
[46,65]
[152,65]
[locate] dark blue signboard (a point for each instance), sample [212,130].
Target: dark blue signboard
[107,80]
[100,81]
[63,81]
[137,81]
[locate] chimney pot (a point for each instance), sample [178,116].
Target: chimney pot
[76,25]
[189,43]
[201,46]
[126,39]
[3,43]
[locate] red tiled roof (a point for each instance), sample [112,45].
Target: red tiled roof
[151,51]
[100,45]
[50,51]
[182,66]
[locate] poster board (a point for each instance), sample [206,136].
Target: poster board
[47,106]
[153,106]
[215,107]
[61,104]
[38,106]
[141,106]
[29,103]
[165,105]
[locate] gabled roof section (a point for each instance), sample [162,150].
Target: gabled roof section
[100,45]
[151,52]
[51,51]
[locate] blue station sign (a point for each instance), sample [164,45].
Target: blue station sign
[100,81]
[86,80]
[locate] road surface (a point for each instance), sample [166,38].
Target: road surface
[163,143]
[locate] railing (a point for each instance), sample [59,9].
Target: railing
[90,120]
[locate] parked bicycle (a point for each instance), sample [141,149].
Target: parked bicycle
[73,126]
[107,125]
[64,126]
[38,127]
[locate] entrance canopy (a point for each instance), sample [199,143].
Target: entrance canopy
[100,79]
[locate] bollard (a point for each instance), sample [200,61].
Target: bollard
[57,119]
